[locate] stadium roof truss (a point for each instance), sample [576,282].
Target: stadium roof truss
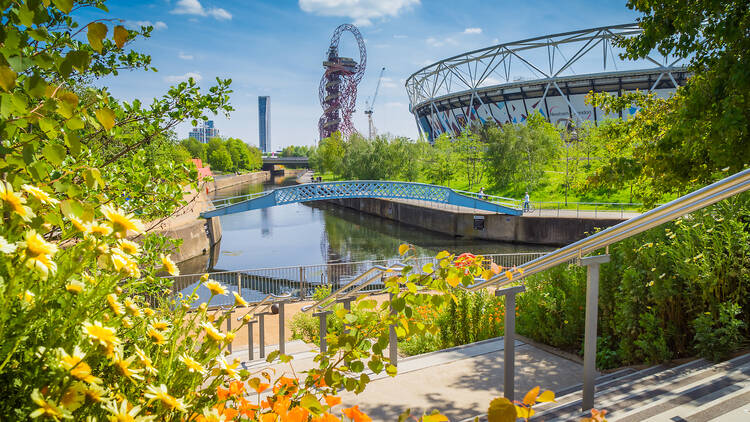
[547,60]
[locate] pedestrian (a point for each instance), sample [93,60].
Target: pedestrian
[526,202]
[481,192]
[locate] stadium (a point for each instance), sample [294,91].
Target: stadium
[553,74]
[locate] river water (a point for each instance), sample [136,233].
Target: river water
[303,234]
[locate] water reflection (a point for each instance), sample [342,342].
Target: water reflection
[308,234]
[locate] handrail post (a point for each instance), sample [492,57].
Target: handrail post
[282,332]
[239,284]
[392,338]
[347,301]
[323,316]
[592,264]
[250,351]
[302,286]
[509,339]
[262,335]
[229,328]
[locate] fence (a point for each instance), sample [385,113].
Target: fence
[301,281]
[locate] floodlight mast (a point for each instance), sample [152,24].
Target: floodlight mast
[369,109]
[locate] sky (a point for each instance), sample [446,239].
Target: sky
[277,47]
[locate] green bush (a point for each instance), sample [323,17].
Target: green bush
[305,327]
[716,338]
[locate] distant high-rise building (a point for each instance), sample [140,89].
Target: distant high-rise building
[264,123]
[204,133]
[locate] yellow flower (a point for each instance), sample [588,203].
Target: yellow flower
[146,361]
[97,228]
[123,263]
[39,194]
[123,365]
[160,325]
[127,322]
[78,368]
[169,265]
[129,247]
[215,287]
[148,311]
[212,332]
[28,297]
[98,333]
[47,408]
[74,396]
[155,335]
[132,308]
[229,337]
[227,368]
[160,393]
[75,286]
[38,253]
[192,364]
[114,304]
[15,201]
[121,221]
[78,224]
[7,247]
[95,393]
[125,413]
[239,301]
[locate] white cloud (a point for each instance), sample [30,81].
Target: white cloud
[434,42]
[395,105]
[398,37]
[173,79]
[363,12]
[184,56]
[473,31]
[194,7]
[387,82]
[158,25]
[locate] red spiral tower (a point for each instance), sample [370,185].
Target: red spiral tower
[338,87]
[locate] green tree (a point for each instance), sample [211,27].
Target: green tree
[469,150]
[330,154]
[195,148]
[439,163]
[220,159]
[240,154]
[705,127]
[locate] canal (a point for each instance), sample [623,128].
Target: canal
[304,234]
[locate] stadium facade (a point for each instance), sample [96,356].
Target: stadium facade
[551,74]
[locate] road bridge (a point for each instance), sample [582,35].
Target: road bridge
[286,161]
[356,189]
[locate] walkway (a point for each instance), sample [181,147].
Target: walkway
[460,382]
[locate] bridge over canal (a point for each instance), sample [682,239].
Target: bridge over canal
[357,189]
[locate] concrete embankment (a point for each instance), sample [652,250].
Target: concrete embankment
[470,224]
[227,180]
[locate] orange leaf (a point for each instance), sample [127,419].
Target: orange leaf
[222,393]
[332,400]
[509,275]
[262,387]
[530,397]
[297,414]
[326,417]
[403,248]
[453,280]
[546,396]
[495,268]
[356,415]
[268,417]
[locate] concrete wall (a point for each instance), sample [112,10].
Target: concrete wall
[221,182]
[555,231]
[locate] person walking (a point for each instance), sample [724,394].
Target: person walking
[526,200]
[481,193]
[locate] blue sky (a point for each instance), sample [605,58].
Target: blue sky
[276,48]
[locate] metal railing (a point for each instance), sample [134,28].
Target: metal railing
[301,281]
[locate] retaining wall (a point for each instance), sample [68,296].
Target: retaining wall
[556,231]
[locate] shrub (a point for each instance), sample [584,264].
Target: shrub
[716,338]
[305,327]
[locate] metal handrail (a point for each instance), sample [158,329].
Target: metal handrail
[266,302]
[681,206]
[336,295]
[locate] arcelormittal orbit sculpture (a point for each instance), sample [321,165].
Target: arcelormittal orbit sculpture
[338,87]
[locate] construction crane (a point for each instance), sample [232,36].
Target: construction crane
[369,107]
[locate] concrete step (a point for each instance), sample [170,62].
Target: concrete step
[697,387]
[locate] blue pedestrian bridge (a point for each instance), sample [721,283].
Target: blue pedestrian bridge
[362,189]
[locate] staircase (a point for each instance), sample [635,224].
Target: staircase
[697,391]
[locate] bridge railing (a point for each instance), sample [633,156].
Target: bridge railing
[302,280]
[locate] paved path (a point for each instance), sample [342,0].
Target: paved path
[544,213]
[460,382]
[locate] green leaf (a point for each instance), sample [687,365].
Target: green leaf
[357,366]
[404,416]
[501,410]
[54,153]
[97,31]
[391,370]
[7,78]
[75,123]
[434,417]
[121,35]
[311,403]
[106,117]
[271,356]
[442,254]
[64,5]
[375,365]
[35,86]
[73,141]
[427,268]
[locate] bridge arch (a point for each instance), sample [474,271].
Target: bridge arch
[356,189]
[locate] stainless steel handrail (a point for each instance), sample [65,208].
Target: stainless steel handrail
[265,301]
[686,204]
[335,295]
